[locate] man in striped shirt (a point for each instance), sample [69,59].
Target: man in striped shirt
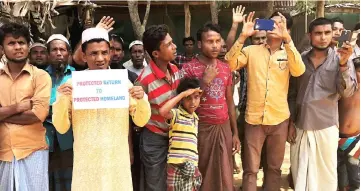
[159,80]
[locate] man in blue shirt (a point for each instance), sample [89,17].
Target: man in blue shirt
[60,145]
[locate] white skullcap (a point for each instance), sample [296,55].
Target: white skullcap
[136,42]
[37,45]
[94,33]
[58,37]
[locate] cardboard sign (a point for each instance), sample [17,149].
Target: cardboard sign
[100,89]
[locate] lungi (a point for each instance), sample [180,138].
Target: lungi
[215,156]
[28,174]
[183,177]
[314,159]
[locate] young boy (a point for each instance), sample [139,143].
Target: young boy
[182,168]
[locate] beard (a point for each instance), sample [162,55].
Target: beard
[319,48]
[16,61]
[59,69]
[116,65]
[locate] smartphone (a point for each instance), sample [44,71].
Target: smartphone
[345,36]
[354,38]
[264,24]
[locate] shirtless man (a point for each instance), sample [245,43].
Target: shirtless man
[349,149]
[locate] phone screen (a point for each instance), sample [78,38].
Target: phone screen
[345,36]
[264,24]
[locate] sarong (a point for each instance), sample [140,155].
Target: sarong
[215,156]
[314,159]
[28,174]
[183,177]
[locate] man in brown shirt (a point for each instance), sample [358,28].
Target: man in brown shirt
[329,76]
[24,105]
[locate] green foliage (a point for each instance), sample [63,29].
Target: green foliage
[310,5]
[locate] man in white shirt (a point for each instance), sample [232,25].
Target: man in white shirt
[137,61]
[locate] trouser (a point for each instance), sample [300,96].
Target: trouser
[137,163]
[60,169]
[348,170]
[314,159]
[255,136]
[153,153]
[241,122]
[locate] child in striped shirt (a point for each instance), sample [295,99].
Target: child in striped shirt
[182,168]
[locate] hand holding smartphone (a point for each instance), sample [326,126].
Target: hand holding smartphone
[345,36]
[264,24]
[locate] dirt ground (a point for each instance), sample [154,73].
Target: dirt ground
[285,171]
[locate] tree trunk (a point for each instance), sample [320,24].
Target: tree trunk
[187,20]
[269,8]
[320,8]
[138,27]
[214,12]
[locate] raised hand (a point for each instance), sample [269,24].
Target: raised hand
[210,73]
[238,16]
[106,22]
[345,52]
[248,25]
[283,29]
[191,91]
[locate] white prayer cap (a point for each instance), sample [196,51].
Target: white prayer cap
[94,33]
[136,42]
[58,37]
[37,45]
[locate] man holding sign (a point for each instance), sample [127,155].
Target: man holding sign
[100,117]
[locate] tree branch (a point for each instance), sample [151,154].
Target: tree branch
[134,17]
[146,15]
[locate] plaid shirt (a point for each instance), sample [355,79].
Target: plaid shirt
[182,59]
[183,177]
[243,91]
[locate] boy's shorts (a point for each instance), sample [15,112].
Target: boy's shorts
[183,177]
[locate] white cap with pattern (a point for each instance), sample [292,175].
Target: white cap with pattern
[94,33]
[58,37]
[136,42]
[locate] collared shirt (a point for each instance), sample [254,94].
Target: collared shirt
[318,91]
[268,80]
[183,136]
[129,66]
[213,108]
[159,90]
[22,140]
[100,141]
[65,141]
[181,59]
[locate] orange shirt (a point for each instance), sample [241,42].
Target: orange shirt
[22,140]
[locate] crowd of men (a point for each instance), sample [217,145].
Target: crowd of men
[309,99]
